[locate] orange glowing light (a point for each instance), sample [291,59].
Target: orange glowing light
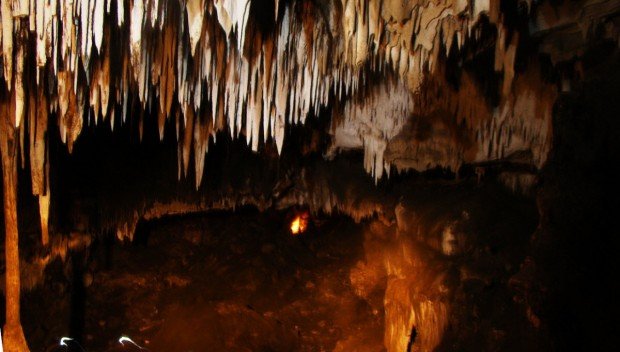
[299,224]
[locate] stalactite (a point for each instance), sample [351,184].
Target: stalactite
[212,61]
[20,54]
[276,82]
[70,113]
[38,135]
[13,335]
[373,121]
[7,42]
[44,211]
[188,128]
[195,15]
[203,127]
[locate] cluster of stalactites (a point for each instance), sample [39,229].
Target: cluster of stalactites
[448,127]
[371,122]
[209,60]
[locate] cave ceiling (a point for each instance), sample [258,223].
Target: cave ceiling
[414,84]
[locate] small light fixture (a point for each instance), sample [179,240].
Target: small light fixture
[299,224]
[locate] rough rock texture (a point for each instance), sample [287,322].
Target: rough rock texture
[220,282]
[235,281]
[254,68]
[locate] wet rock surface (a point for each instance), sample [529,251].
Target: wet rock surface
[441,272]
[215,283]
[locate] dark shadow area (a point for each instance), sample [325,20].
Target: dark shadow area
[576,246]
[223,280]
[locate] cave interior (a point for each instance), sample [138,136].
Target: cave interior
[309,175]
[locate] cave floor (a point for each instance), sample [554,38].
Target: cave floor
[219,282]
